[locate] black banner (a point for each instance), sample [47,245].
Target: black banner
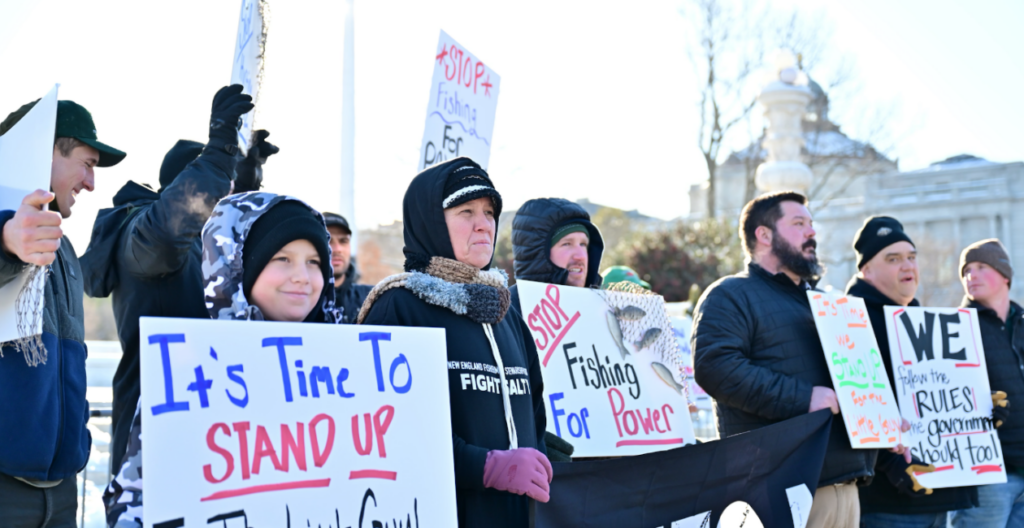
[695,484]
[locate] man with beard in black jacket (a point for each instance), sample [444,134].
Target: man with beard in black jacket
[887,276]
[554,241]
[347,294]
[757,352]
[147,249]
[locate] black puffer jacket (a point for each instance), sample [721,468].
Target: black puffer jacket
[478,415]
[534,224]
[147,252]
[757,353]
[881,496]
[350,296]
[1005,362]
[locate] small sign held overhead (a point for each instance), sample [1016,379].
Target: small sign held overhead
[460,113]
[247,67]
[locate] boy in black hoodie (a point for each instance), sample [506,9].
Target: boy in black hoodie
[286,275]
[496,391]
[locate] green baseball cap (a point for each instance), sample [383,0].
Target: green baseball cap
[73,121]
[616,274]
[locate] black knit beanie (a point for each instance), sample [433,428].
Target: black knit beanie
[181,154]
[468,183]
[276,228]
[877,233]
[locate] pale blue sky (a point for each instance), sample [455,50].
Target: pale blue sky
[597,99]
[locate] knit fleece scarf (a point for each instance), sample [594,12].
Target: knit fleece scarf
[482,296]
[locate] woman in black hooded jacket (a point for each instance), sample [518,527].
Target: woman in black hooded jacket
[450,214]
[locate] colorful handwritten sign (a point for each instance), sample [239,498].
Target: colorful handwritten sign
[463,102]
[612,370]
[247,66]
[26,156]
[289,424]
[862,387]
[943,390]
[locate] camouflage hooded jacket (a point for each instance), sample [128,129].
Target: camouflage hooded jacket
[223,239]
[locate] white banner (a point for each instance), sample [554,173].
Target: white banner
[290,424]
[612,369]
[682,327]
[858,374]
[26,156]
[943,390]
[460,113]
[247,66]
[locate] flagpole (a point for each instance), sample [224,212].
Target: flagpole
[348,125]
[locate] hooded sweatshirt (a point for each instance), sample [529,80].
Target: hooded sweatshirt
[532,228]
[223,239]
[475,391]
[146,251]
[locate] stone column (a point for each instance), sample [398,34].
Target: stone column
[785,100]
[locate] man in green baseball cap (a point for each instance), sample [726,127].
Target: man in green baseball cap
[616,274]
[45,374]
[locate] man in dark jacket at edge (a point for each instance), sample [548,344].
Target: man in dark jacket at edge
[44,441]
[986,275]
[888,276]
[757,352]
[347,294]
[147,250]
[554,241]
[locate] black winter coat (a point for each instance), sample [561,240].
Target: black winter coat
[147,252]
[1005,363]
[881,496]
[350,296]
[477,408]
[534,224]
[757,353]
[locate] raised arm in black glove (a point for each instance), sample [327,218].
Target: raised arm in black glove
[226,117]
[901,474]
[250,169]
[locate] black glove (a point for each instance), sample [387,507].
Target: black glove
[558,449]
[250,170]
[1000,408]
[901,474]
[226,117]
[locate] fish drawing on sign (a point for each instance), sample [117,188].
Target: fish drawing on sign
[666,376]
[650,336]
[616,331]
[630,313]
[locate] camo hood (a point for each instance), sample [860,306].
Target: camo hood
[224,237]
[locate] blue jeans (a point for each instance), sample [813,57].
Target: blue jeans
[896,520]
[999,506]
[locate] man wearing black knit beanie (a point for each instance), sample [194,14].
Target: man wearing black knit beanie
[888,276]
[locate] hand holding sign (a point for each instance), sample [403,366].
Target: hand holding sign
[824,398]
[33,234]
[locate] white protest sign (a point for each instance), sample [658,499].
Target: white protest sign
[247,66]
[611,369]
[460,113]
[26,155]
[943,390]
[290,424]
[858,374]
